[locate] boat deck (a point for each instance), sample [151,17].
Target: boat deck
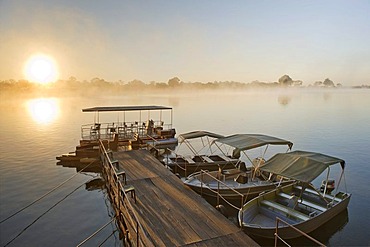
[170,213]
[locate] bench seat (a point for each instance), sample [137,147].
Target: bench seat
[189,160]
[327,196]
[304,202]
[284,209]
[207,159]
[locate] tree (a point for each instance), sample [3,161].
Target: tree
[285,80]
[174,82]
[328,83]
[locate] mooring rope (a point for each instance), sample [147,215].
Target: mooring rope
[33,222]
[47,193]
[110,235]
[96,232]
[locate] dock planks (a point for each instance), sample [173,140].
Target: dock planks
[171,213]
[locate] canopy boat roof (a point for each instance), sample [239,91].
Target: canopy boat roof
[243,142]
[125,108]
[197,134]
[300,165]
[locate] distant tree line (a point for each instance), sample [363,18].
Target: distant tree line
[73,84]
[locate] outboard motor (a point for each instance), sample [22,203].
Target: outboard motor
[330,185]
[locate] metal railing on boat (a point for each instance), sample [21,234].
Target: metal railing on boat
[217,192]
[277,237]
[125,130]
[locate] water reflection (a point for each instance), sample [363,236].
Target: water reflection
[43,110]
[284,100]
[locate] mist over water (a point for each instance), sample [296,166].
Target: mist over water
[34,130]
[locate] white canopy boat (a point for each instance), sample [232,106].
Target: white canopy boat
[299,204]
[135,125]
[199,154]
[241,184]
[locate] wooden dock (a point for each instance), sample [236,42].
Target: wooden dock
[167,212]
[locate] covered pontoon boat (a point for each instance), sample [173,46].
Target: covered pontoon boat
[135,124]
[240,184]
[195,153]
[299,204]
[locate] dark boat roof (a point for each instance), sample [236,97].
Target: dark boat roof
[125,108]
[300,165]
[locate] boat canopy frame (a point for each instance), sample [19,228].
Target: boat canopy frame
[124,109]
[243,142]
[143,127]
[206,138]
[303,166]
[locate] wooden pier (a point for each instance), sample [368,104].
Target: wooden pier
[161,210]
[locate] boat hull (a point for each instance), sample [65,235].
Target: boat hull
[285,231]
[234,191]
[185,169]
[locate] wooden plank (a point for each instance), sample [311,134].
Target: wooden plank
[171,213]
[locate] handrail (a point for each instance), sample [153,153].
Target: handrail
[129,128]
[294,228]
[141,237]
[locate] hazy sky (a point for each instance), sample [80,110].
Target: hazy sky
[195,40]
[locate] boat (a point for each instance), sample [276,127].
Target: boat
[195,153]
[147,127]
[245,182]
[69,157]
[131,129]
[300,204]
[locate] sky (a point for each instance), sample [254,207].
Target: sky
[194,40]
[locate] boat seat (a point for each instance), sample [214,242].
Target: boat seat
[304,202]
[224,157]
[285,195]
[241,179]
[284,209]
[207,159]
[189,160]
[312,205]
[327,196]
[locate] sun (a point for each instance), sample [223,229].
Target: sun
[41,69]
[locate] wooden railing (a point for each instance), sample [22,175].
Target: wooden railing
[126,218]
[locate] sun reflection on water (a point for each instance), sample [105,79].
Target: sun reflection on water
[43,110]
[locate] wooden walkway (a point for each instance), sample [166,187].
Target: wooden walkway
[170,213]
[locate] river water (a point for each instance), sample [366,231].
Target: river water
[34,130]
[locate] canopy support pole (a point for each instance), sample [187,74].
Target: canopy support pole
[340,179]
[326,181]
[259,163]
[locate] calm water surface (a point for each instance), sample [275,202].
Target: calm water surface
[36,130]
